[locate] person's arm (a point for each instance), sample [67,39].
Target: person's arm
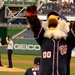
[71,37]
[3,46]
[73,27]
[33,20]
[7,40]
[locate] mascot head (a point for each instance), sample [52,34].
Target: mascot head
[57,27]
[53,19]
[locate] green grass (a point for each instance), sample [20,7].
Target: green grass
[11,73]
[73,60]
[18,65]
[19,57]
[25,65]
[14,30]
[72,70]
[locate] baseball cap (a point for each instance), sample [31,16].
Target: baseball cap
[57,14]
[54,13]
[63,17]
[37,60]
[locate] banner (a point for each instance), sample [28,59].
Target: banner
[26,46]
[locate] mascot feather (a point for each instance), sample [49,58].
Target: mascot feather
[56,40]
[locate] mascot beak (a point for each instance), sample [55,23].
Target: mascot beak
[52,22]
[53,19]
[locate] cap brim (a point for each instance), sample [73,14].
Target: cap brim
[53,13]
[63,17]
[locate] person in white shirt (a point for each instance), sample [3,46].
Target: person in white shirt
[10,50]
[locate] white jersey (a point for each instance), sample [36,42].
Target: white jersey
[10,45]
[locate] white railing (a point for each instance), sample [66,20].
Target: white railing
[1,3]
[40,5]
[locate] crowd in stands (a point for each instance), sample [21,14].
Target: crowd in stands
[21,0]
[63,8]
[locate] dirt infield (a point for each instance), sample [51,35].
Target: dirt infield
[14,69]
[30,62]
[72,64]
[20,61]
[4,68]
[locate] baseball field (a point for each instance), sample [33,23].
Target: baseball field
[21,63]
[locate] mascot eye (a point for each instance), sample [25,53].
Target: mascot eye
[58,18]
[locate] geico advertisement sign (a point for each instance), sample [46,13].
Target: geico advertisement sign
[26,47]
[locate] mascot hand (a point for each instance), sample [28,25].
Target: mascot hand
[32,19]
[31,10]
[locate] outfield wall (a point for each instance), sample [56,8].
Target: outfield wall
[25,46]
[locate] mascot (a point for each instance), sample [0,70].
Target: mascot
[56,40]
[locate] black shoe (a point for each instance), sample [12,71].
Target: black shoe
[9,67]
[1,65]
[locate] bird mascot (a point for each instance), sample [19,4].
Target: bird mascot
[56,40]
